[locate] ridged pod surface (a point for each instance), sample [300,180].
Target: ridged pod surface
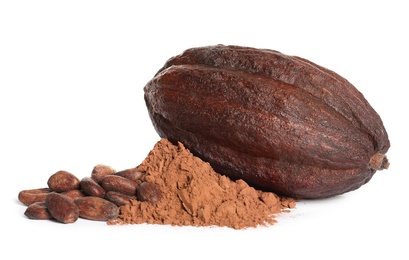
[279,122]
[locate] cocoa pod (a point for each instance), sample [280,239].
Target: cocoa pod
[37,210]
[95,208]
[63,181]
[91,188]
[120,184]
[28,197]
[118,198]
[61,208]
[279,122]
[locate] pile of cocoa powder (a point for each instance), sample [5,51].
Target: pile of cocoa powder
[194,194]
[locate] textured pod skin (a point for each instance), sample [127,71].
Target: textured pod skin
[278,122]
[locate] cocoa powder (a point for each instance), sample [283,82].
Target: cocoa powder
[194,194]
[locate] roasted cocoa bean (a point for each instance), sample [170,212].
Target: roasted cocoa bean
[28,197]
[91,188]
[61,208]
[118,198]
[132,174]
[63,181]
[120,184]
[95,208]
[37,210]
[73,194]
[100,171]
[148,191]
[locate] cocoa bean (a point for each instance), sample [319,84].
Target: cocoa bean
[120,184]
[91,188]
[95,208]
[73,194]
[100,171]
[148,191]
[132,174]
[37,210]
[28,197]
[63,181]
[61,208]
[118,198]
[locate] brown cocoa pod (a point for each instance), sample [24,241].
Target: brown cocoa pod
[132,174]
[28,197]
[279,122]
[63,181]
[118,198]
[120,184]
[91,188]
[61,208]
[96,208]
[100,171]
[37,210]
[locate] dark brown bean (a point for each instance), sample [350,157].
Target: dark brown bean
[37,210]
[63,181]
[132,174]
[100,171]
[73,194]
[95,208]
[91,188]
[149,191]
[28,197]
[118,198]
[120,184]
[61,208]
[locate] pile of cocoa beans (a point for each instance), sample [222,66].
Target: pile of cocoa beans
[97,197]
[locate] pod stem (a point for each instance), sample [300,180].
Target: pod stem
[379,162]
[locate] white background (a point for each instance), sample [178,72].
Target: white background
[71,96]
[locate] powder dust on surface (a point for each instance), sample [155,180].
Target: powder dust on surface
[194,194]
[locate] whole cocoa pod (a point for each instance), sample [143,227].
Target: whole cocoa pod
[278,122]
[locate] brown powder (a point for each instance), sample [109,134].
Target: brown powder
[194,194]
